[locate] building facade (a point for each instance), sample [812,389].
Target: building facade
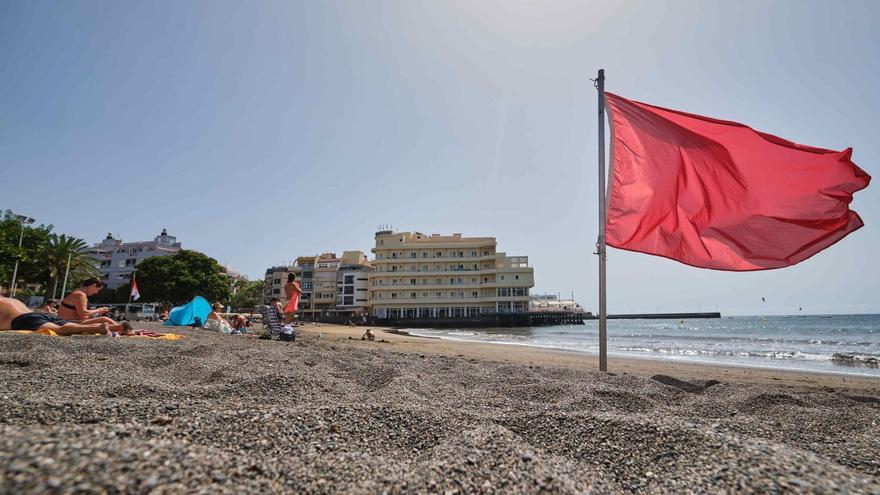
[353,284]
[117,260]
[432,276]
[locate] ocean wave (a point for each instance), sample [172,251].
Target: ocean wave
[855,360]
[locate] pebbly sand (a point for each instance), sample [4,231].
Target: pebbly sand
[226,414]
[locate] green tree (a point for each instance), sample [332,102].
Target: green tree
[32,267]
[249,294]
[82,265]
[180,277]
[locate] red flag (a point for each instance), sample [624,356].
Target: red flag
[135,295]
[720,195]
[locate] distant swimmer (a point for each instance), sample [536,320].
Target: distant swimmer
[763,300]
[800,308]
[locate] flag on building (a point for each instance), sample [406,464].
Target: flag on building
[135,295]
[720,195]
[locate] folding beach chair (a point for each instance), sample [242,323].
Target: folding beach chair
[273,326]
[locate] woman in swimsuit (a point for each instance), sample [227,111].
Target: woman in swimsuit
[75,307]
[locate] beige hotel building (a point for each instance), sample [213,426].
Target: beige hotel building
[432,276]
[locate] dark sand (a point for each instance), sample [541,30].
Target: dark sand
[226,414]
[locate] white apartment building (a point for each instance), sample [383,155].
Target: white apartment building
[117,259]
[352,284]
[432,276]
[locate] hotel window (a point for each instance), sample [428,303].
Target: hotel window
[412,255]
[439,254]
[451,281]
[461,254]
[348,290]
[424,254]
[412,295]
[517,277]
[348,300]
[438,281]
[424,281]
[394,295]
[412,281]
[439,294]
[475,294]
[424,294]
[473,253]
[349,279]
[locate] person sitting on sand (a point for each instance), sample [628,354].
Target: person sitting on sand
[239,323]
[75,307]
[14,315]
[215,320]
[368,335]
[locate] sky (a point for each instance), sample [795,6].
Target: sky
[260,131]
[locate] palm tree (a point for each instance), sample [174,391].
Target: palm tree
[82,265]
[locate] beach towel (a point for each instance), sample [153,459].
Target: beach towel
[294,300]
[137,333]
[186,315]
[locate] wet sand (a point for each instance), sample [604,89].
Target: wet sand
[231,414]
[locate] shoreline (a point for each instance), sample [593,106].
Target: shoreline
[403,340]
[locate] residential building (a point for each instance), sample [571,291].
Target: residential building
[117,259]
[276,277]
[323,286]
[432,276]
[352,284]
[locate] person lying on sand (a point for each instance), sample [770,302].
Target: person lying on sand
[14,315]
[75,308]
[49,307]
[368,335]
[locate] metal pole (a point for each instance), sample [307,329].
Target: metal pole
[66,272]
[600,244]
[15,270]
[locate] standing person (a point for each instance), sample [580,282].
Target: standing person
[75,307]
[292,290]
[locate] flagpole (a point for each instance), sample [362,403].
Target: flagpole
[66,272]
[600,244]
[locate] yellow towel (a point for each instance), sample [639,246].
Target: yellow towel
[46,331]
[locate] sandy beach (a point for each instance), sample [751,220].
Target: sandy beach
[228,414]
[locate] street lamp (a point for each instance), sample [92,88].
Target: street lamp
[24,221]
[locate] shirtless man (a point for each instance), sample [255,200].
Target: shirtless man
[75,307]
[15,315]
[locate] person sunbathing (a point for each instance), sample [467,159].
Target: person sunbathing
[368,335]
[215,320]
[75,308]
[14,315]
[50,307]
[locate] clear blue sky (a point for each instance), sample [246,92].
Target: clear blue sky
[259,131]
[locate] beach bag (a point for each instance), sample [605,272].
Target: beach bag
[288,334]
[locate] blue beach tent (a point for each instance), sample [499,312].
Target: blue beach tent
[186,314]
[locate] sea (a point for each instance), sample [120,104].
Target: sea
[848,344]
